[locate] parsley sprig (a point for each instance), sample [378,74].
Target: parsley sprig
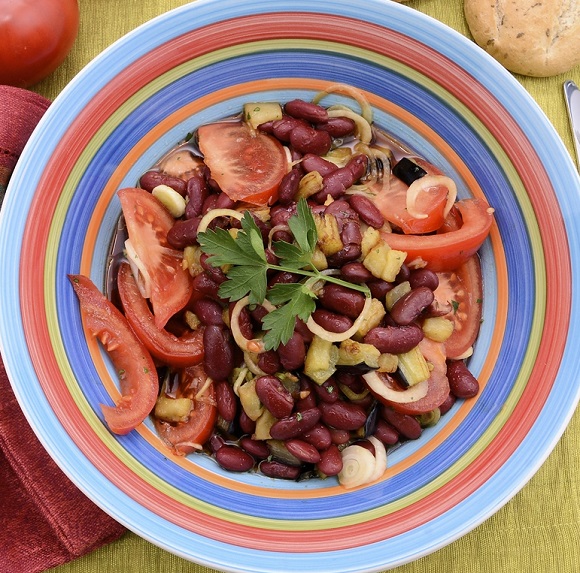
[245,256]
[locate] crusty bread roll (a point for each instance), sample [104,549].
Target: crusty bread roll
[529,37]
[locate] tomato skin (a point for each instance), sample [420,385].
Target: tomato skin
[180,352]
[36,37]
[182,437]
[148,223]
[247,165]
[138,377]
[463,288]
[447,251]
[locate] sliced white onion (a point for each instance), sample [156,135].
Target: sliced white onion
[358,466]
[203,389]
[139,270]
[419,185]
[359,97]
[255,345]
[315,328]
[214,214]
[380,458]
[379,388]
[363,126]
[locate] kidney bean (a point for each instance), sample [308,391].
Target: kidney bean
[197,193]
[462,382]
[183,233]
[244,321]
[280,214]
[447,404]
[394,339]
[203,284]
[350,252]
[283,277]
[247,425]
[282,128]
[339,437]
[304,451]
[306,139]
[216,442]
[409,306]
[234,459]
[366,445]
[304,331]
[343,415]
[292,353]
[355,273]
[404,274]
[407,426]
[289,186]
[218,359]
[227,403]
[269,362]
[350,233]
[295,424]
[342,299]
[271,258]
[151,179]
[257,448]
[276,469]
[331,321]
[209,311]
[319,436]
[367,211]
[223,201]
[267,127]
[274,396]
[330,463]
[311,162]
[342,210]
[209,203]
[327,391]
[337,126]
[386,433]
[215,273]
[257,314]
[306,110]
[423,277]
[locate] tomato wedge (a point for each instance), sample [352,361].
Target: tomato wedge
[463,289]
[447,251]
[166,283]
[186,350]
[246,164]
[137,374]
[186,437]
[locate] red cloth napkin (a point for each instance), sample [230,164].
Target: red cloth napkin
[45,520]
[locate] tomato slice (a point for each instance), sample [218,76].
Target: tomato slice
[186,350]
[447,251]
[463,289]
[438,385]
[137,374]
[246,164]
[186,437]
[391,200]
[167,283]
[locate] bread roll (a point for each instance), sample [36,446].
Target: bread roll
[529,37]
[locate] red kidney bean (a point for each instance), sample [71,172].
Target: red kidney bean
[183,233]
[366,445]
[283,277]
[342,299]
[234,459]
[319,436]
[327,391]
[218,359]
[269,362]
[304,451]
[294,425]
[356,273]
[394,339]
[280,214]
[330,463]
[404,274]
[386,433]
[215,273]
[247,425]
[274,395]
[203,284]
[411,305]
[223,201]
[379,288]
[151,179]
[289,186]
[209,203]
[462,382]
[292,353]
[423,278]
[257,448]
[331,321]
[447,404]
[267,127]
[311,162]
[407,426]
[341,210]
[304,331]
[337,182]
[227,403]
[367,211]
[343,415]
[282,235]
[271,258]
[244,321]
[197,193]
[306,139]
[208,311]
[351,239]
[339,437]
[337,126]
[275,469]
[306,110]
[282,128]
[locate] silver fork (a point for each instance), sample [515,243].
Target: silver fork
[572,95]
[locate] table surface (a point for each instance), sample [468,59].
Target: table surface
[539,529]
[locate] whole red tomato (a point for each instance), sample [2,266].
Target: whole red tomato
[36,37]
